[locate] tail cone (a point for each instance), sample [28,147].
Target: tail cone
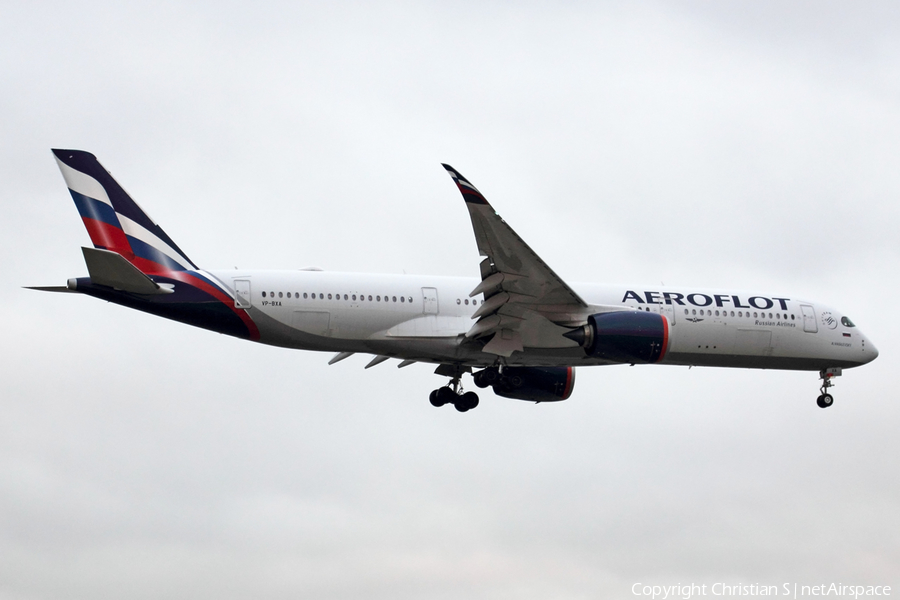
[580,336]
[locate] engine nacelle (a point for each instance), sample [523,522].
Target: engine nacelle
[537,384]
[626,336]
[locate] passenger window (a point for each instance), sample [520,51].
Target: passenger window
[272,294]
[466,301]
[264,294]
[402,299]
[458,301]
[694,311]
[280,295]
[288,294]
[474,302]
[754,315]
[395,298]
[345,296]
[846,322]
[329,296]
[378,298]
[685,311]
[409,299]
[304,295]
[370,298]
[732,313]
[717,313]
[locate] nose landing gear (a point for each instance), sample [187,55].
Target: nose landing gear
[826,375]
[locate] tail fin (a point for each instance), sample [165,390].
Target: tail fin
[114,221]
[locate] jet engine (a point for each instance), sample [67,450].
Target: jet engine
[537,384]
[625,337]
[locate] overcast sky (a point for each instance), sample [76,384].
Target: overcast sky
[748,145]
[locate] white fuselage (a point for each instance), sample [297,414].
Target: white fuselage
[425,318]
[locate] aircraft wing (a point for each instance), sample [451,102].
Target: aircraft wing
[525,302]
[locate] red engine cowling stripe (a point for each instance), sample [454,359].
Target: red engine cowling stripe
[665,345]
[570,382]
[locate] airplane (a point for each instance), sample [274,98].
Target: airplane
[518,328]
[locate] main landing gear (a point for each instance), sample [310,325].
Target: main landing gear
[446,395]
[452,393]
[826,375]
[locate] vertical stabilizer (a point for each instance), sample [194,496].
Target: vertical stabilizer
[114,220]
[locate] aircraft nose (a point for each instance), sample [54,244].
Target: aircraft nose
[870,352]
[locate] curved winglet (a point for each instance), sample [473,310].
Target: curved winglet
[516,282]
[470,192]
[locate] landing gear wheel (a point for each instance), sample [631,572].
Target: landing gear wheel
[453,392]
[486,377]
[445,396]
[827,376]
[466,401]
[442,396]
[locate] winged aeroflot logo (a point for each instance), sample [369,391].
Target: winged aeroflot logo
[828,320]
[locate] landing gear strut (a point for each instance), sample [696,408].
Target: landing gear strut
[826,375]
[453,392]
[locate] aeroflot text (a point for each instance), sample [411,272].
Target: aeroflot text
[793,590]
[720,300]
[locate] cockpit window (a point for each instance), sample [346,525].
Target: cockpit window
[847,322]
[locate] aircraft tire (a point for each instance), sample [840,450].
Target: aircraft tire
[434,399]
[470,399]
[444,396]
[825,400]
[486,377]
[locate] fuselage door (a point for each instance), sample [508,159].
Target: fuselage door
[242,293]
[809,318]
[668,310]
[430,301]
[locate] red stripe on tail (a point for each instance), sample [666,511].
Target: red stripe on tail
[109,237]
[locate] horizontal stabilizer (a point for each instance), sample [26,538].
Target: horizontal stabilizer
[113,270]
[51,288]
